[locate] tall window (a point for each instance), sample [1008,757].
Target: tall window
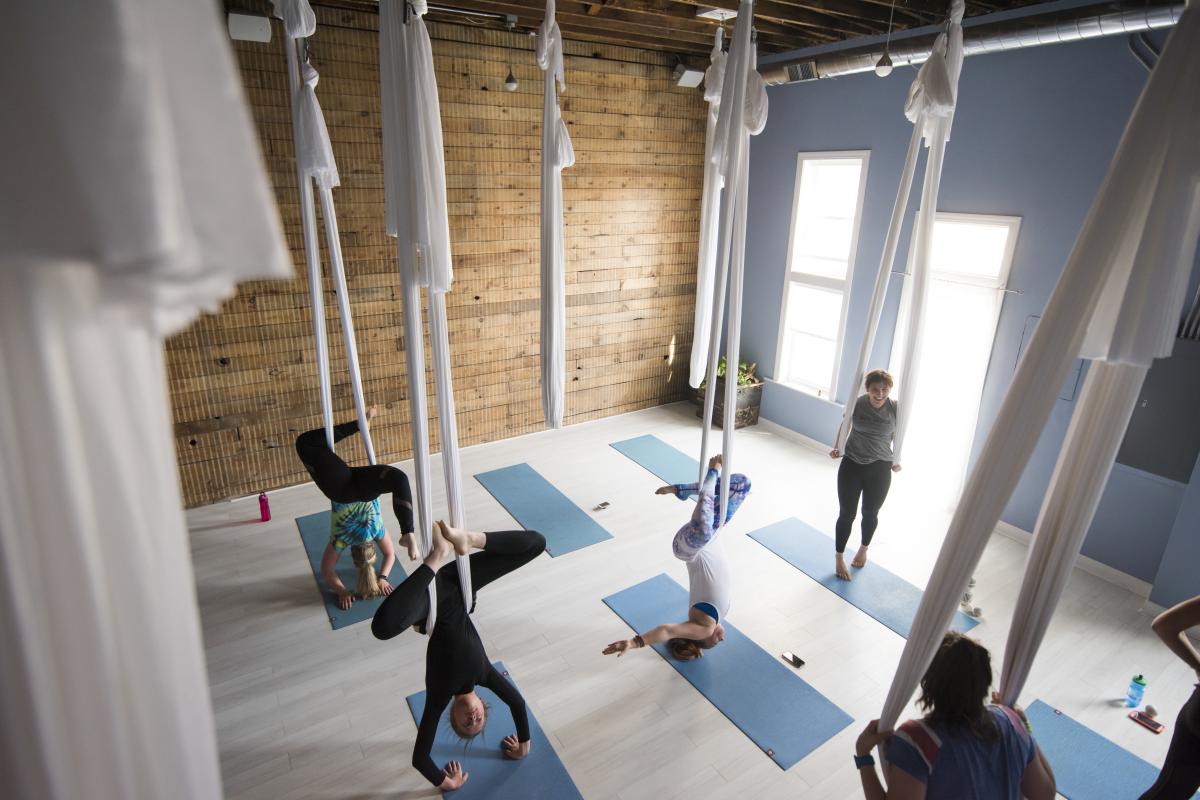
[968,275]
[826,211]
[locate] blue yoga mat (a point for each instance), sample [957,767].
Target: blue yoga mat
[1086,765]
[881,594]
[660,458]
[489,774]
[766,699]
[314,531]
[538,506]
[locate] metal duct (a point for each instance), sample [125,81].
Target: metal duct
[992,40]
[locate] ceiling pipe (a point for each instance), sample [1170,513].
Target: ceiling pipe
[985,40]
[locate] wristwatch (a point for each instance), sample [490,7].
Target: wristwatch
[382,577]
[863,761]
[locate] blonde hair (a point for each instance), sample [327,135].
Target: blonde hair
[364,559]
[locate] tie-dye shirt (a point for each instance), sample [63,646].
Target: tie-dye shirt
[355,523]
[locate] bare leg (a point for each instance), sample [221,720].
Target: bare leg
[860,558]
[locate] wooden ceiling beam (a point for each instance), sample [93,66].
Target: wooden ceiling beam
[572,15]
[646,10]
[779,12]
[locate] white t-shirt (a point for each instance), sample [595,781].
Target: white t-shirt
[709,579]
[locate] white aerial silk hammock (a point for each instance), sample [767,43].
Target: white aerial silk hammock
[557,154]
[315,163]
[414,171]
[710,202]
[743,114]
[930,107]
[143,201]
[1118,303]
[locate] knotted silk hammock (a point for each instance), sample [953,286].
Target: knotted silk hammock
[557,154]
[930,107]
[415,197]
[706,262]
[1117,303]
[743,113]
[315,164]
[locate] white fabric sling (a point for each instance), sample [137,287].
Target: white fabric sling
[415,195]
[930,107]
[143,201]
[315,162]
[1117,302]
[557,154]
[706,263]
[743,113]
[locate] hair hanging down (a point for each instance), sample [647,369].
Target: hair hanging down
[879,376]
[364,559]
[955,686]
[686,649]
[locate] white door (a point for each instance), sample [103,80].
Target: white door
[969,265]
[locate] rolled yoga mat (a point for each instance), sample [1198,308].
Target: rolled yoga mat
[763,697]
[314,532]
[883,595]
[538,776]
[1086,765]
[659,458]
[538,506]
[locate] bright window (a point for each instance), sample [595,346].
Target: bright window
[968,277]
[826,210]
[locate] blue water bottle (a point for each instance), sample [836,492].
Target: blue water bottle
[1137,687]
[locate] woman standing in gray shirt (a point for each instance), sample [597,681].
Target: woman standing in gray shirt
[867,468]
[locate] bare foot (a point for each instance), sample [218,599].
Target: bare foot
[842,572]
[860,558]
[372,412]
[442,552]
[459,538]
[409,542]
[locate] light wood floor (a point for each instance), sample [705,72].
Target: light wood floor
[307,712]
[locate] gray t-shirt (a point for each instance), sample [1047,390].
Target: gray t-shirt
[871,431]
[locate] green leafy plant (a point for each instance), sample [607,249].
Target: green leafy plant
[746,376]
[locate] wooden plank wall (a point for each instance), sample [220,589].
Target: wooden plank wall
[244,382]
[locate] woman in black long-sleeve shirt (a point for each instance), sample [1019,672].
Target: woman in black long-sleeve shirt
[455,662]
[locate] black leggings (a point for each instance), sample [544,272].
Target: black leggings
[408,604]
[1180,776]
[342,483]
[872,482]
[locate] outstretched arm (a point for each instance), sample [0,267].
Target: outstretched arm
[389,560]
[426,731]
[661,633]
[513,746]
[1172,626]
[329,573]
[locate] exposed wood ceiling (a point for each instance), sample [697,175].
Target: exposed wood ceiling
[671,26]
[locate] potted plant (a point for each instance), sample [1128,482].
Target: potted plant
[749,395]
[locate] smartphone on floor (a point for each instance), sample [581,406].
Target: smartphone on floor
[793,659]
[1146,721]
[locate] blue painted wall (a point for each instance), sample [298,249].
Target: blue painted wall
[1178,576]
[1033,138]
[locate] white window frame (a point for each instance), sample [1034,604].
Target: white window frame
[819,281]
[998,284]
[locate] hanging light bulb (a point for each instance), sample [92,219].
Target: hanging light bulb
[510,83]
[883,67]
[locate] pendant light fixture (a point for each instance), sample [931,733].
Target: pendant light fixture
[883,67]
[510,83]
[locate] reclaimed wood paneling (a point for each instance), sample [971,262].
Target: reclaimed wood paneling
[244,381]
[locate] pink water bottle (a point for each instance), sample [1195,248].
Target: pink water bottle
[264,508]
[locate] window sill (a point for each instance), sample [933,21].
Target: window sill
[794,388]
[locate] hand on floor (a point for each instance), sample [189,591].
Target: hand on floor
[345,600]
[514,749]
[455,777]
